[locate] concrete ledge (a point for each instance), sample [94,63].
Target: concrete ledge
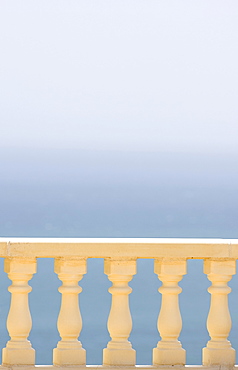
[119,248]
[100,367]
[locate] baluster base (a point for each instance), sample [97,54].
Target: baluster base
[163,356]
[118,357]
[18,356]
[217,356]
[64,355]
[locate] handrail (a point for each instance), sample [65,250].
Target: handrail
[119,247]
[120,255]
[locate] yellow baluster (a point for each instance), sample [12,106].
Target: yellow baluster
[69,350]
[169,350]
[119,350]
[18,350]
[218,350]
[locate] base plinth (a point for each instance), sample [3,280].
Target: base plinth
[216,356]
[69,356]
[163,356]
[119,357]
[13,356]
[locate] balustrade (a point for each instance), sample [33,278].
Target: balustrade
[120,259]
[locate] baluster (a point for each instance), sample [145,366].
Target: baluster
[169,350]
[69,350]
[218,350]
[18,350]
[119,350]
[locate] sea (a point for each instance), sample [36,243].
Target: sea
[75,193]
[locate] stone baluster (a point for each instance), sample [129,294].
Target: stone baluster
[69,350]
[119,350]
[18,350]
[218,350]
[169,350]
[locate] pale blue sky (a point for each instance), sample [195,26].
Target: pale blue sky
[125,75]
[119,118]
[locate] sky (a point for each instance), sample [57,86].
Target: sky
[119,118]
[128,75]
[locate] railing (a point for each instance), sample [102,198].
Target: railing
[170,256]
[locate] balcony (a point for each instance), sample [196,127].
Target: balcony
[120,265]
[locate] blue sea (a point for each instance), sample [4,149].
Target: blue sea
[73,193]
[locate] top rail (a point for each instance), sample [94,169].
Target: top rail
[119,248]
